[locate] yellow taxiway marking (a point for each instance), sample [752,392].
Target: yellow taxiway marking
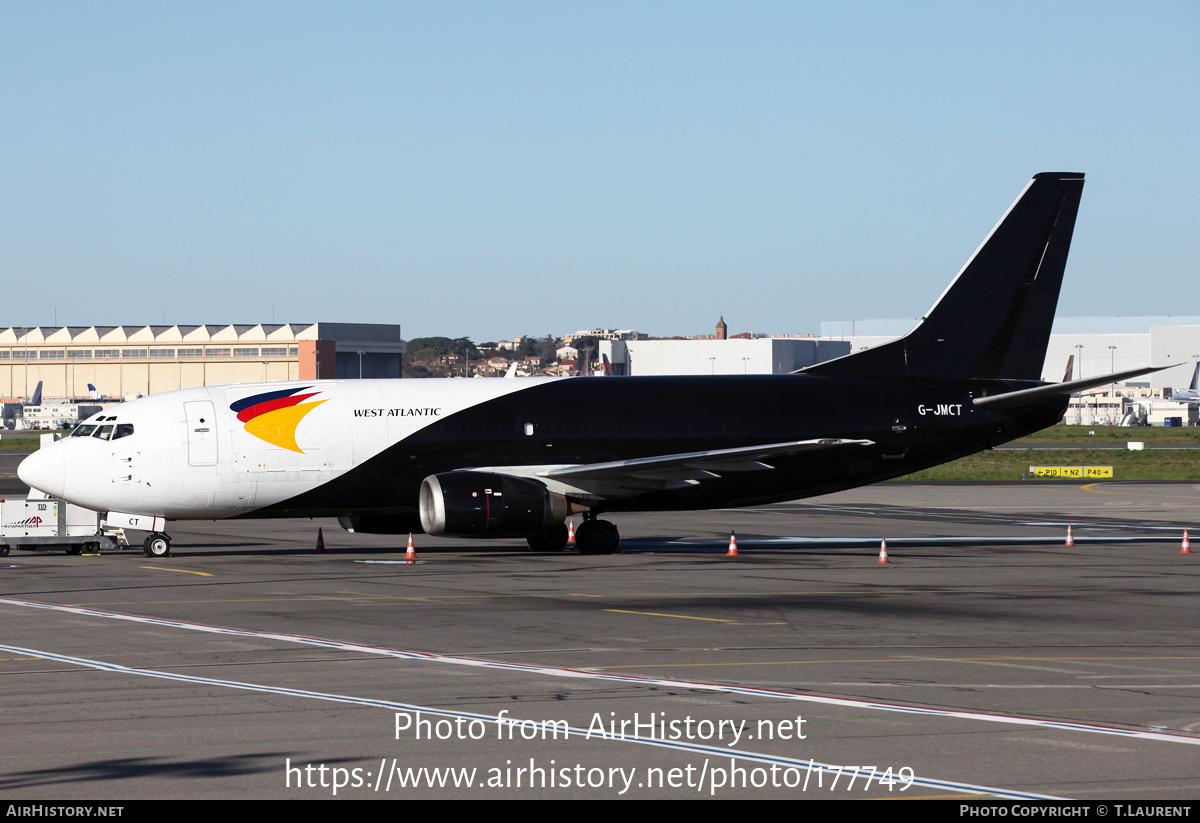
[1091,487]
[883,660]
[680,616]
[181,571]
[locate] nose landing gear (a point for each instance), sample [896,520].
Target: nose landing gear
[157,545]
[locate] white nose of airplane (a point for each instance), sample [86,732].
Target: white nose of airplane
[45,471]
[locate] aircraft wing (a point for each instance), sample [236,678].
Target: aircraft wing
[678,470]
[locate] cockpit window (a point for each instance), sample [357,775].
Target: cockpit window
[104,432]
[123,430]
[83,430]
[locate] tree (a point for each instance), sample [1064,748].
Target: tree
[590,342]
[547,349]
[462,346]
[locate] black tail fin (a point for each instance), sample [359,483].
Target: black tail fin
[994,320]
[37,395]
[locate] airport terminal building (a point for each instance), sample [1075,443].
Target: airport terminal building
[1100,345]
[742,355]
[123,362]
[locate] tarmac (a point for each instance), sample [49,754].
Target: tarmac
[985,660]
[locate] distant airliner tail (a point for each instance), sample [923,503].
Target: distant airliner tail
[993,321]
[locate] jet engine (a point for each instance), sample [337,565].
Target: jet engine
[482,504]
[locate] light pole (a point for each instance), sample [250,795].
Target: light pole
[25,334]
[1079,362]
[360,354]
[1112,359]
[712,363]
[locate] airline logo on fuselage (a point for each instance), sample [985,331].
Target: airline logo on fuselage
[273,416]
[434,412]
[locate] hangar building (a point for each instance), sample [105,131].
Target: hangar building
[127,361]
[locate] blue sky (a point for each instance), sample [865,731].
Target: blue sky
[492,169]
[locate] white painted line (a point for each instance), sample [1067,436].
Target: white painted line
[584,674]
[697,748]
[855,542]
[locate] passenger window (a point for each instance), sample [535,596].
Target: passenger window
[104,432]
[123,430]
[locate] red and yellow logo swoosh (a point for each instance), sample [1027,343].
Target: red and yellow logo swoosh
[274,416]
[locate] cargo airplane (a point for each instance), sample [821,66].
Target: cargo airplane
[1192,393]
[504,458]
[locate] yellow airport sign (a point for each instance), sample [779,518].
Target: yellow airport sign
[1071,472]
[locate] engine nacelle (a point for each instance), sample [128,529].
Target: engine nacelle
[481,504]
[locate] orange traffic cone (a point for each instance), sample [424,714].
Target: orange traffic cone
[1070,540]
[883,551]
[1186,548]
[320,541]
[732,545]
[571,532]
[411,554]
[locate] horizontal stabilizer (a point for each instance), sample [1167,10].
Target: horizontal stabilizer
[1023,396]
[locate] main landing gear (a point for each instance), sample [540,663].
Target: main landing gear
[592,537]
[550,539]
[597,536]
[156,545]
